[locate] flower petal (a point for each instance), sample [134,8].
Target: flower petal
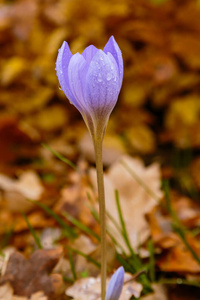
[102,86]
[113,48]
[115,285]
[77,70]
[62,62]
[89,52]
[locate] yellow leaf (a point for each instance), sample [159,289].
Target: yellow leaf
[12,69]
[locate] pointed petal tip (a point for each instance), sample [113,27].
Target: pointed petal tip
[120,272]
[115,285]
[114,49]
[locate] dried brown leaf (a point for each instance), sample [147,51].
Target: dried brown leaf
[89,289]
[28,276]
[136,197]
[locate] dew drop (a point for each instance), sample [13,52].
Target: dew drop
[99,78]
[109,76]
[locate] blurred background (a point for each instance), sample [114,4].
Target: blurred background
[157,116]
[158,108]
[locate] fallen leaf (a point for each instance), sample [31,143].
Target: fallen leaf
[16,192]
[141,139]
[12,69]
[85,245]
[139,191]
[159,293]
[176,257]
[29,276]
[134,95]
[15,142]
[179,259]
[90,288]
[6,293]
[43,119]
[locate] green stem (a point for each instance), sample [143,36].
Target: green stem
[102,212]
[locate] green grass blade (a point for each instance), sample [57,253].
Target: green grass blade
[68,231]
[67,279]
[140,181]
[59,156]
[114,222]
[181,233]
[6,238]
[165,186]
[71,261]
[124,263]
[136,262]
[176,225]
[151,261]
[32,231]
[96,217]
[89,258]
[80,225]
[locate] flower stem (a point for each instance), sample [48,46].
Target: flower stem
[102,212]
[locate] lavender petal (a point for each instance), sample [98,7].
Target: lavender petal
[114,49]
[62,62]
[115,285]
[89,52]
[102,86]
[77,70]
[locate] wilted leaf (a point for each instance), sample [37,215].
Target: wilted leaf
[139,191]
[28,276]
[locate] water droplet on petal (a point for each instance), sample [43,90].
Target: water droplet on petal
[109,76]
[99,78]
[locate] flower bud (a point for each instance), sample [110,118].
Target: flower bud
[115,285]
[92,82]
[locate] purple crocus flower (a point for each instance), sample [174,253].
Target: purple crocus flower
[92,82]
[115,285]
